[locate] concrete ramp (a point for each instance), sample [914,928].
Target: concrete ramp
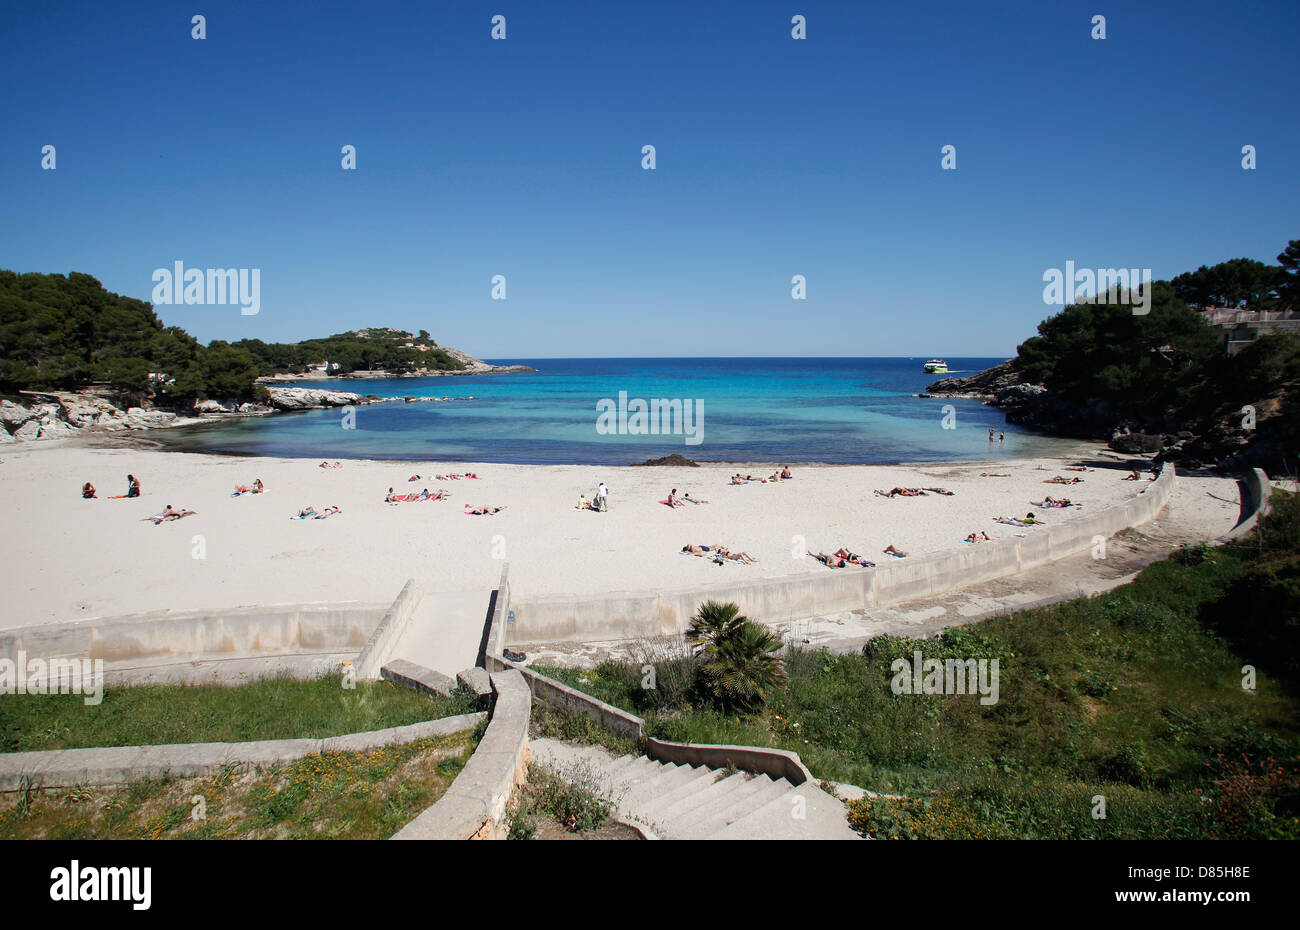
[444,632]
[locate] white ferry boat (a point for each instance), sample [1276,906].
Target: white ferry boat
[936,366]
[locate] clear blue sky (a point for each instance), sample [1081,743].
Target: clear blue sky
[523,158]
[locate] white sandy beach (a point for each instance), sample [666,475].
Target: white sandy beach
[67,558]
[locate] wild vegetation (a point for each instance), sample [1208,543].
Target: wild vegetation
[274,708]
[64,332]
[1134,697]
[336,795]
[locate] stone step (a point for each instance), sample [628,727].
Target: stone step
[760,792]
[681,814]
[824,818]
[650,811]
[669,778]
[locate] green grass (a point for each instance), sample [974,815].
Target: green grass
[276,708]
[336,795]
[1134,696]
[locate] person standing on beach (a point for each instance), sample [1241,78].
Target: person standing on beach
[602,497]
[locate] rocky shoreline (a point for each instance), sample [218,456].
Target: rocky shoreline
[64,415]
[1217,440]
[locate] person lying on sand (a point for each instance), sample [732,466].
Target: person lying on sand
[736,479]
[902,492]
[989,474]
[944,491]
[1133,476]
[696,550]
[979,537]
[896,553]
[830,561]
[88,491]
[482,511]
[328,465]
[734,556]
[1076,468]
[327,512]
[694,500]
[849,556]
[169,514]
[1062,480]
[1018,521]
[304,513]
[416,478]
[1053,502]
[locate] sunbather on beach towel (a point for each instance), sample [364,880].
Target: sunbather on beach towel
[785,472]
[896,553]
[1053,502]
[482,511]
[830,561]
[693,549]
[169,514]
[849,556]
[326,513]
[944,491]
[672,499]
[978,537]
[693,500]
[735,556]
[304,513]
[991,474]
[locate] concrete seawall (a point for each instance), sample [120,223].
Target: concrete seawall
[628,615]
[296,638]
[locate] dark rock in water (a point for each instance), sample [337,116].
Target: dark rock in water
[673,459]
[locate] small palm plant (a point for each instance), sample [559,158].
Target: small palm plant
[739,667]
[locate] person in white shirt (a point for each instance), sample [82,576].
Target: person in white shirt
[602,497]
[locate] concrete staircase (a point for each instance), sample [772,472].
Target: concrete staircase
[697,802]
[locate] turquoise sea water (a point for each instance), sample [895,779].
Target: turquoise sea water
[845,410]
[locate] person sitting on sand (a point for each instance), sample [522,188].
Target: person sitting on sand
[482,511]
[88,491]
[583,503]
[785,472]
[694,500]
[390,497]
[1133,476]
[132,486]
[258,487]
[897,553]
[673,500]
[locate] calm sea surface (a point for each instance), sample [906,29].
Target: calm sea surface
[845,410]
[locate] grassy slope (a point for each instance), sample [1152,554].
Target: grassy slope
[338,795]
[278,708]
